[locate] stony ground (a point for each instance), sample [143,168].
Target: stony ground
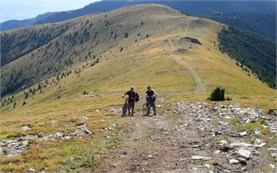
[183,137]
[197,137]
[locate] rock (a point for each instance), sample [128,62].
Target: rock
[216,152]
[272,166]
[244,133]
[228,117]
[248,121]
[274,155]
[30,137]
[242,161]
[1,151]
[244,153]
[257,132]
[195,146]
[272,149]
[222,142]
[26,128]
[84,118]
[240,144]
[59,134]
[81,125]
[53,122]
[67,137]
[87,132]
[260,145]
[175,112]
[207,166]
[257,141]
[31,170]
[201,158]
[45,138]
[40,134]
[233,161]
[25,143]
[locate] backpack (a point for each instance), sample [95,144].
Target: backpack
[153,98]
[137,98]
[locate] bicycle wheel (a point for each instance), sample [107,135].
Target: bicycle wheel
[124,110]
[144,109]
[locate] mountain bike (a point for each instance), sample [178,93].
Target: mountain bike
[147,105]
[125,108]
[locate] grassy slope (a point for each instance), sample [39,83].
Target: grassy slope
[141,63]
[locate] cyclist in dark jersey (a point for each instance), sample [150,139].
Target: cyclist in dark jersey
[132,99]
[150,100]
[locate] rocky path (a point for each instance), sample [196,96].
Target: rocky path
[193,138]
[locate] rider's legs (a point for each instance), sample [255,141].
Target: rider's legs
[131,108]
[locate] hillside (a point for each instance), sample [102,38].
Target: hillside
[67,43]
[263,24]
[64,115]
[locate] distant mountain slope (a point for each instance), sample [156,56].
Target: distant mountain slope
[195,8]
[14,24]
[251,50]
[264,24]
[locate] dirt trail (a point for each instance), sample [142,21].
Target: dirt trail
[199,86]
[158,144]
[190,138]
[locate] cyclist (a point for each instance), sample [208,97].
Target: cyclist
[150,100]
[133,97]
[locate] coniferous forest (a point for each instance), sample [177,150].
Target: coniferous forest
[253,52]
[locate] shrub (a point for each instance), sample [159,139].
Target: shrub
[85,92]
[26,95]
[218,94]
[263,122]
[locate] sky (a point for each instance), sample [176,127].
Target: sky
[25,9]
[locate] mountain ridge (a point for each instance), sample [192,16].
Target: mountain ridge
[82,39]
[197,8]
